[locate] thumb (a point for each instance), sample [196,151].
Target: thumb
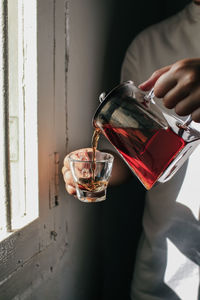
[150,82]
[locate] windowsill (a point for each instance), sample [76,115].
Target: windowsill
[20,225]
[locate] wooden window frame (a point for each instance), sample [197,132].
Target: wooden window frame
[25,250]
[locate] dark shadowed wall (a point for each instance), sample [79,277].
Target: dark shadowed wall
[103,236]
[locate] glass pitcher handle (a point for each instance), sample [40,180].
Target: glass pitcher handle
[151,95]
[184,126]
[187,121]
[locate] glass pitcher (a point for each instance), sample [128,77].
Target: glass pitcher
[152,142]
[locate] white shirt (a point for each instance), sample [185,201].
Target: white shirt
[167,265]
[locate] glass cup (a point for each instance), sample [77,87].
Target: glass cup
[90,175]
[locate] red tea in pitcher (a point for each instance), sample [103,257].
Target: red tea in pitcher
[148,156]
[154,142]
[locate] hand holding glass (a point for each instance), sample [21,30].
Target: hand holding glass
[90,176]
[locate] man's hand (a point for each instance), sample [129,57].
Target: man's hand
[67,175]
[179,86]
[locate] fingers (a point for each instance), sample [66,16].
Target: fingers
[179,87]
[70,189]
[174,95]
[189,105]
[149,83]
[69,182]
[68,178]
[77,153]
[196,115]
[164,84]
[67,175]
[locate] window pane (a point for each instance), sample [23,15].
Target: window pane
[4,165]
[23,111]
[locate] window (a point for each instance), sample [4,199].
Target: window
[19,122]
[33,63]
